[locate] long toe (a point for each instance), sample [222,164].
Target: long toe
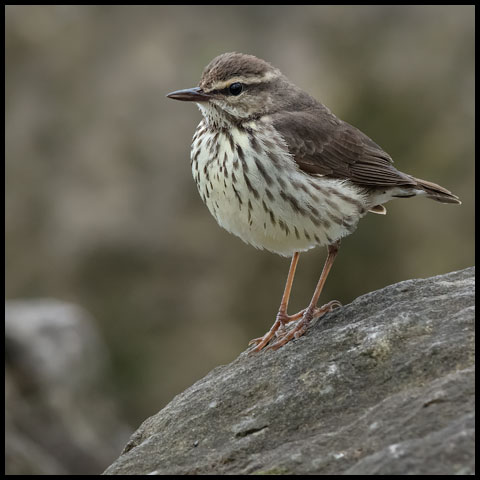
[304,323]
[261,342]
[328,307]
[295,332]
[278,330]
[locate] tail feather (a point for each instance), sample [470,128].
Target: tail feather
[436,192]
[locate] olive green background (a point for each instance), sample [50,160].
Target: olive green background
[101,208]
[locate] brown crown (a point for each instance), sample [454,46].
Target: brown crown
[230,65]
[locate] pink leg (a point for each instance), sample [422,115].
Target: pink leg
[282,317]
[312,311]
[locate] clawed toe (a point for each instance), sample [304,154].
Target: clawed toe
[298,330]
[277,330]
[328,307]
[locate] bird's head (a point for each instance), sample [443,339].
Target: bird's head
[235,87]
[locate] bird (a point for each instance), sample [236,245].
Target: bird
[278,169]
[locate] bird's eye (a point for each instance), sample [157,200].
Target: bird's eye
[236,88]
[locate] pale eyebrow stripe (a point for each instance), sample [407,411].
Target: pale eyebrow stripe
[246,80]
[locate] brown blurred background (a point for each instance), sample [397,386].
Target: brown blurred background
[101,208]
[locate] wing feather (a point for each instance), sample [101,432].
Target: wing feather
[322,144]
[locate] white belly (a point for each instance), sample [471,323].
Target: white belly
[251,195]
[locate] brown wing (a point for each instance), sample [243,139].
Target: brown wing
[323,144]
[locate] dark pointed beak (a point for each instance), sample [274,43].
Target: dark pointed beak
[194,94]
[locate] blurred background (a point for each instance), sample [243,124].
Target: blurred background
[101,208]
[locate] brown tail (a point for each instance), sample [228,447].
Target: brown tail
[436,192]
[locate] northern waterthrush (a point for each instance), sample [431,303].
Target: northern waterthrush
[279,170]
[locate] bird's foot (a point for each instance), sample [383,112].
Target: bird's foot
[277,329]
[302,326]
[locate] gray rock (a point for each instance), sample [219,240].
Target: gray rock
[58,417]
[381,386]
